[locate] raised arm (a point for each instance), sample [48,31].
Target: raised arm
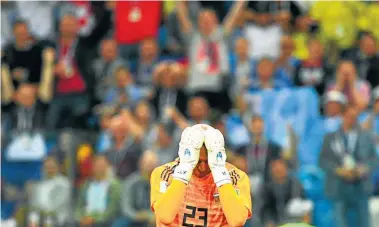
[177,117]
[234,13]
[103,25]
[368,123]
[182,13]
[361,99]
[7,89]
[45,90]
[134,127]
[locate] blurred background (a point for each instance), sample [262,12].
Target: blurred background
[95,96]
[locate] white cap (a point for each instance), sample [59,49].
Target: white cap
[375,93]
[335,96]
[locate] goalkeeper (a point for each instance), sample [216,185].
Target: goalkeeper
[200,188]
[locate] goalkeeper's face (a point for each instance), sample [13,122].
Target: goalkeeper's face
[202,168]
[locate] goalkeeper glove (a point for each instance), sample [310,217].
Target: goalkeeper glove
[191,141]
[214,142]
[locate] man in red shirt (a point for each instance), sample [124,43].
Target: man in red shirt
[74,55]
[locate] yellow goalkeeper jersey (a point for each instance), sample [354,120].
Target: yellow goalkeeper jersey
[201,205]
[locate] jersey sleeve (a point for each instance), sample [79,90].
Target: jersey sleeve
[154,182]
[241,183]
[159,181]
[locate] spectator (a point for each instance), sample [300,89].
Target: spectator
[348,158]
[148,58]
[242,66]
[27,112]
[366,58]
[98,198]
[263,34]
[207,50]
[126,92]
[267,78]
[24,56]
[198,111]
[259,154]
[84,11]
[372,121]
[357,90]
[51,197]
[27,109]
[334,103]
[105,66]
[135,205]
[73,80]
[104,141]
[125,149]
[145,116]
[290,9]
[286,61]
[166,144]
[280,197]
[141,124]
[169,92]
[368,17]
[313,71]
[283,17]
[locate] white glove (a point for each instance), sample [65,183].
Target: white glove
[214,142]
[191,141]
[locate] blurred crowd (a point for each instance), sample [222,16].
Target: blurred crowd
[95,96]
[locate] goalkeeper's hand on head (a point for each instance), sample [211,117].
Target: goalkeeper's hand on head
[191,141]
[215,144]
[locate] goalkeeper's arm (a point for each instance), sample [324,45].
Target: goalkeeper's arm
[167,207]
[235,211]
[234,206]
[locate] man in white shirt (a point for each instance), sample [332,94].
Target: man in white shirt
[264,35]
